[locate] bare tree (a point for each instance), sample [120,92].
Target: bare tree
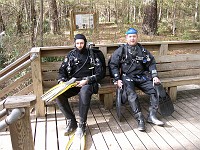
[20,18]
[196,15]
[54,22]
[149,25]
[27,10]
[174,17]
[33,22]
[41,22]
[2,26]
[160,10]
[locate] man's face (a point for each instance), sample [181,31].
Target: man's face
[132,39]
[79,43]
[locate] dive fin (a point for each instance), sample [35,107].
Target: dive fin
[166,107]
[58,89]
[119,103]
[76,143]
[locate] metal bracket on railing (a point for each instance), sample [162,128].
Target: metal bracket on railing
[2,113]
[15,114]
[33,56]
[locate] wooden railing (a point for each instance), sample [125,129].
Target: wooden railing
[27,78]
[16,78]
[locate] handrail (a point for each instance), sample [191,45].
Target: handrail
[2,113]
[14,64]
[33,57]
[16,114]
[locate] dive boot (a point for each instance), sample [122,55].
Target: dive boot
[141,123]
[71,127]
[78,139]
[153,119]
[80,131]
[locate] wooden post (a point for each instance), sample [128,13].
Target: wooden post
[72,20]
[101,97]
[173,93]
[163,49]
[104,51]
[96,21]
[37,82]
[108,101]
[20,131]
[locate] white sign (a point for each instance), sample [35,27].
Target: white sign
[84,21]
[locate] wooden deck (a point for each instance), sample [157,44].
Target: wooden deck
[104,131]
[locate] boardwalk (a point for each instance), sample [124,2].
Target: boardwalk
[104,131]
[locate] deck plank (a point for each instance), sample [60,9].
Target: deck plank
[168,133]
[117,129]
[5,141]
[96,134]
[101,118]
[40,134]
[127,129]
[143,136]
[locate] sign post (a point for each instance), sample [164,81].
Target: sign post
[82,21]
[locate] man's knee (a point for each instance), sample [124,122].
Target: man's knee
[132,96]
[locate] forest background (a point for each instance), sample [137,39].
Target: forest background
[28,23]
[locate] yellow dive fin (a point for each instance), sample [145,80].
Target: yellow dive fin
[76,143]
[58,89]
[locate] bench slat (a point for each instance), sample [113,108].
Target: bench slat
[51,66]
[178,65]
[50,75]
[178,73]
[175,58]
[178,81]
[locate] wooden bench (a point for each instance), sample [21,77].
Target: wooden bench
[178,70]
[173,71]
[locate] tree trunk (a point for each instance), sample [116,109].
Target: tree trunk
[19,19]
[196,15]
[149,25]
[160,10]
[33,20]
[2,26]
[116,12]
[174,18]
[134,13]
[41,23]
[27,11]
[54,22]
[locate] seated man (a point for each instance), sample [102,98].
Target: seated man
[138,69]
[88,72]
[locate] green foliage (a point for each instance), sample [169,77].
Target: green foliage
[163,28]
[52,59]
[46,26]
[2,59]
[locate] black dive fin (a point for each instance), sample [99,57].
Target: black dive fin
[118,103]
[166,107]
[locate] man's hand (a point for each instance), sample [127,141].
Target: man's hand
[119,83]
[81,83]
[156,80]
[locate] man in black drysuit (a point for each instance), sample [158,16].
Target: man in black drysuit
[138,69]
[88,71]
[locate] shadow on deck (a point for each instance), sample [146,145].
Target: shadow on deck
[104,131]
